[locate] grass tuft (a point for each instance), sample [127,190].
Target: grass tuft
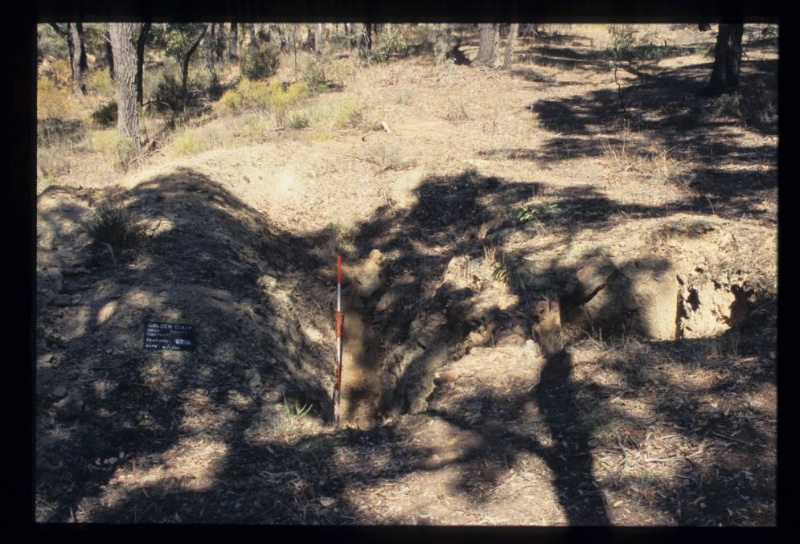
[115,225]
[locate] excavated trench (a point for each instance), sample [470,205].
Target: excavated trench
[466,308]
[457,271]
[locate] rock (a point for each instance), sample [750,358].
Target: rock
[60,392]
[255,380]
[532,349]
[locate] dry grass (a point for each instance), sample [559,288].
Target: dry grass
[629,152]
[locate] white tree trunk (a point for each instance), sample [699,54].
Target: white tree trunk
[512,37]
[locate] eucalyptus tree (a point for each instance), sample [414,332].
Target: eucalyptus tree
[73,35]
[124,51]
[488,45]
[512,37]
[727,59]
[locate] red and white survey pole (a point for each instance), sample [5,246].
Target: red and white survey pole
[338,387]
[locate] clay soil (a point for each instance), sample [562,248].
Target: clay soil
[490,192]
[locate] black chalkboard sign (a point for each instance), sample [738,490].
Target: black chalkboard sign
[169,336]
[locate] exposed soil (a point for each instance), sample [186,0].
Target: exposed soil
[570,318]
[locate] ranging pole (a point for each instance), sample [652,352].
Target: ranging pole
[338,387]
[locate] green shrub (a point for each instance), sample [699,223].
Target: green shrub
[262,96]
[623,39]
[168,95]
[314,74]
[389,42]
[349,115]
[52,102]
[626,46]
[58,71]
[49,44]
[511,272]
[105,115]
[531,213]
[261,63]
[100,82]
[299,120]
[230,101]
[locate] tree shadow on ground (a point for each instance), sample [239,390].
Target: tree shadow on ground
[455,216]
[662,111]
[569,457]
[204,264]
[151,405]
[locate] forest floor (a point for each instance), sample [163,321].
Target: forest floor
[490,192]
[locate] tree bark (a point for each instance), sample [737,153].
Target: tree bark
[108,50]
[233,44]
[512,37]
[318,37]
[209,48]
[727,59]
[368,29]
[488,45]
[185,65]
[252,40]
[78,64]
[125,80]
[140,43]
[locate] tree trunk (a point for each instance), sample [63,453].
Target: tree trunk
[109,53]
[727,59]
[368,27]
[79,63]
[233,44]
[318,37]
[488,45]
[208,51]
[185,66]
[252,41]
[217,42]
[512,37]
[125,79]
[140,42]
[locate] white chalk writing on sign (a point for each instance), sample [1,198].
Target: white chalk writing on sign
[169,336]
